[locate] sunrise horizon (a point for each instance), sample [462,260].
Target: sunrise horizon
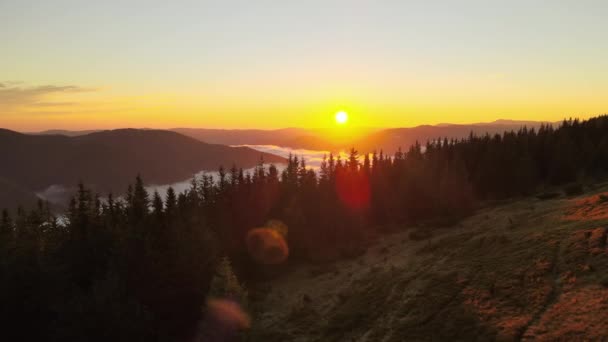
[203,64]
[330,125]
[319,170]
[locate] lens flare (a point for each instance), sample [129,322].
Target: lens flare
[267,245]
[277,226]
[353,190]
[228,313]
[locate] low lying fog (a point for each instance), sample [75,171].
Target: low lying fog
[59,194]
[313,160]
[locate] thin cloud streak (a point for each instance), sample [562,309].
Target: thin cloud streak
[15,98]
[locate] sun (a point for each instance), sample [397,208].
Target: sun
[341,117]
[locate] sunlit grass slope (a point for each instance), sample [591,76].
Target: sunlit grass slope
[519,270]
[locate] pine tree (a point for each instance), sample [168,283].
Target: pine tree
[324,171]
[6,228]
[222,178]
[353,161]
[367,166]
[138,200]
[225,284]
[157,204]
[171,203]
[234,176]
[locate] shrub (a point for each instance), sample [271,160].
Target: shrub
[225,284]
[303,312]
[573,189]
[548,195]
[323,269]
[352,251]
[420,234]
[604,281]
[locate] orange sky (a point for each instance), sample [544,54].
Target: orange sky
[246,65]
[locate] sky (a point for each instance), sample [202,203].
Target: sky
[272,64]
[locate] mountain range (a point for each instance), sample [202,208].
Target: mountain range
[108,161]
[365,140]
[390,140]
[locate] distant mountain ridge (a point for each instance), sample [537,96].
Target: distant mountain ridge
[504,122]
[286,137]
[388,140]
[109,160]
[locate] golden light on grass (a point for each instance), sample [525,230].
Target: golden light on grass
[588,208]
[341,117]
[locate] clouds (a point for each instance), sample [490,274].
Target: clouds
[16,97]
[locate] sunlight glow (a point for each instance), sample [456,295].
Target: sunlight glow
[341,117]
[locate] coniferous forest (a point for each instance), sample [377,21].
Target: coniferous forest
[142,268]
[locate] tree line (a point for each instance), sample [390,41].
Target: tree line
[140,267]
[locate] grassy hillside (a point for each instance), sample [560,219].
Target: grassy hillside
[519,270]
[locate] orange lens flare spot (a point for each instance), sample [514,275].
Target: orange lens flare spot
[228,313]
[277,226]
[267,245]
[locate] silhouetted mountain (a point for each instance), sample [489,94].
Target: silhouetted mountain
[519,123]
[286,137]
[310,142]
[367,140]
[108,160]
[388,140]
[240,136]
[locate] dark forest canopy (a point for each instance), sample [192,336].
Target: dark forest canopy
[141,268]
